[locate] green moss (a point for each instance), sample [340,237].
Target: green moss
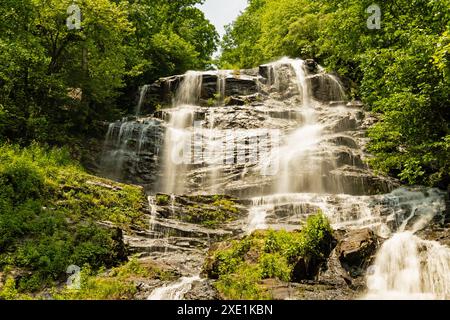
[211,212]
[162,199]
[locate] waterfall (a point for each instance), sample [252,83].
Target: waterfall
[221,86]
[287,144]
[153,212]
[407,267]
[142,93]
[256,218]
[178,133]
[190,89]
[178,137]
[175,291]
[131,144]
[296,156]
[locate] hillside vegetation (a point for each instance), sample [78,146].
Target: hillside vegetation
[400,71]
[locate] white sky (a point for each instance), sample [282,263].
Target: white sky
[222,12]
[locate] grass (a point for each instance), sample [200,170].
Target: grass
[118,284]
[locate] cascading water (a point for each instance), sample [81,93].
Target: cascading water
[132,144]
[407,267]
[142,93]
[178,133]
[290,146]
[175,291]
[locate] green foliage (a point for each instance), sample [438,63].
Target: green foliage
[400,71]
[162,199]
[9,291]
[274,265]
[240,265]
[211,214]
[243,285]
[117,284]
[57,84]
[48,206]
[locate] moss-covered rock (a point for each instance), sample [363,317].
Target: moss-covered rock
[240,266]
[208,210]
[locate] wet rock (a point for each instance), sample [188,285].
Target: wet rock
[437,231]
[234,101]
[355,104]
[238,84]
[356,250]
[311,65]
[202,290]
[207,210]
[324,88]
[265,71]
[279,290]
[308,267]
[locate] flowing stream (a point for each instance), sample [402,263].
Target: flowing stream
[290,145]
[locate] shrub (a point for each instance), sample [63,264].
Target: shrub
[48,206]
[162,199]
[241,265]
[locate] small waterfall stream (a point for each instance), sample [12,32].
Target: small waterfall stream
[175,291]
[142,93]
[407,267]
[290,146]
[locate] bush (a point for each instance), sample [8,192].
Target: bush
[162,199]
[48,206]
[21,180]
[242,285]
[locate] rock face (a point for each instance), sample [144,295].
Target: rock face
[227,129]
[210,211]
[235,102]
[356,250]
[308,268]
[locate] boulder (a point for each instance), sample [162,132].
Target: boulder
[311,65]
[202,290]
[211,265]
[356,250]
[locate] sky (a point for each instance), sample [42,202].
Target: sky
[222,12]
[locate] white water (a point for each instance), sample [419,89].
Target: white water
[174,291]
[153,211]
[142,92]
[299,170]
[128,140]
[256,219]
[178,133]
[407,267]
[177,138]
[190,89]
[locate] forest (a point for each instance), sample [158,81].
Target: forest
[400,71]
[59,87]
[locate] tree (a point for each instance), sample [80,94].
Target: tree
[400,71]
